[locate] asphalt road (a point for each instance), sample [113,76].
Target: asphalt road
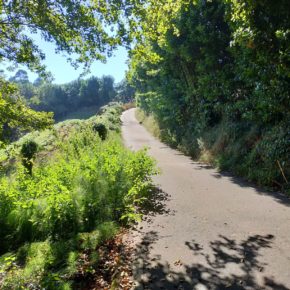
[207,230]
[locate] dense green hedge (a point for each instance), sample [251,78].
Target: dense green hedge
[216,78]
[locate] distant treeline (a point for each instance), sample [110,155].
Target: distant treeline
[66,98]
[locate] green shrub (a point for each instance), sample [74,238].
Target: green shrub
[28,151]
[101,130]
[87,183]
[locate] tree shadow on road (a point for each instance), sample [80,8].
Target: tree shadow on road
[242,182]
[155,204]
[153,274]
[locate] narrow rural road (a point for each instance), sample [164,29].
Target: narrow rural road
[207,230]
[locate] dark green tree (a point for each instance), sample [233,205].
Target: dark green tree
[28,151]
[125,92]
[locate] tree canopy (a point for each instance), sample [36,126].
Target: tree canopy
[76,27]
[14,113]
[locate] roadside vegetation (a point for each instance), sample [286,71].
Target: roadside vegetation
[214,75]
[82,187]
[211,78]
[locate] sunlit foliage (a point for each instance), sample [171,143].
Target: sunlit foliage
[219,66]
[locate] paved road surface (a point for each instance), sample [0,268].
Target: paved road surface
[208,230]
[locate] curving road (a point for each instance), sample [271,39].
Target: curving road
[207,230]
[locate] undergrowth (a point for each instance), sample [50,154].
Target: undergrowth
[77,196]
[260,155]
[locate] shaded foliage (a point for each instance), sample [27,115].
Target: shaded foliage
[125,92]
[215,74]
[28,151]
[101,130]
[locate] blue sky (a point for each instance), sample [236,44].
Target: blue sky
[63,72]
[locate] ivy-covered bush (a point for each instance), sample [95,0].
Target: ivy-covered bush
[28,151]
[101,130]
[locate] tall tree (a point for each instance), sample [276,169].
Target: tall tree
[20,76]
[198,65]
[15,114]
[125,92]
